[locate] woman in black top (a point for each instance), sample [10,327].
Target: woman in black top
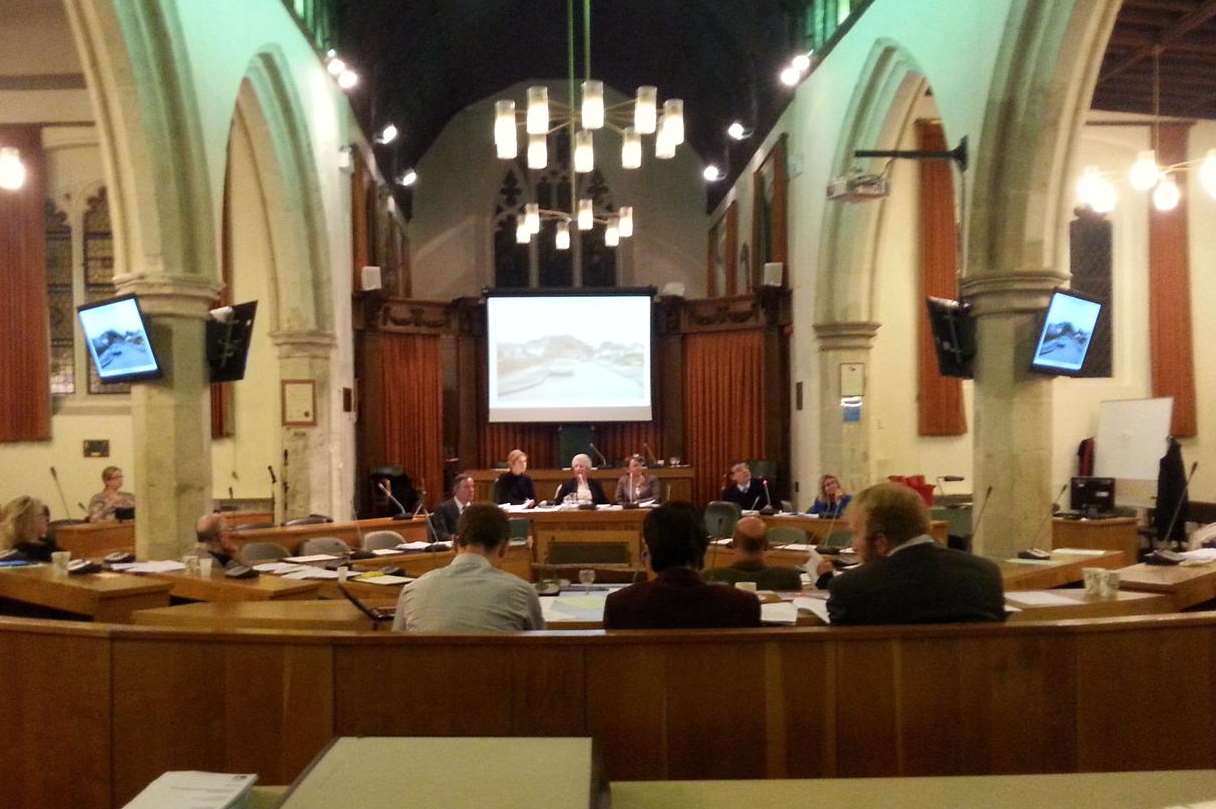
[582,488]
[24,527]
[513,486]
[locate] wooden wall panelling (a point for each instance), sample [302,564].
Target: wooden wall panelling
[802,714]
[55,718]
[867,706]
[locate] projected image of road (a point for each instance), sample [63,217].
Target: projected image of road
[569,357]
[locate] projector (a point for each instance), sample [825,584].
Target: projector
[858,188]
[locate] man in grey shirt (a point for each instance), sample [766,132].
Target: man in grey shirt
[470,594]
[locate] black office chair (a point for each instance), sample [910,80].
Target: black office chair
[720,518]
[311,519]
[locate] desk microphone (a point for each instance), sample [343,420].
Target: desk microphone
[64,500]
[388,492]
[979,518]
[596,450]
[1181,499]
[1055,504]
[82,507]
[768,496]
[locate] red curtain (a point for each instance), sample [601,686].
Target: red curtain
[1170,293]
[25,384]
[723,404]
[409,391]
[939,404]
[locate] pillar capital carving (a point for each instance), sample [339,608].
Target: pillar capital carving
[174,295]
[846,336]
[1010,292]
[305,343]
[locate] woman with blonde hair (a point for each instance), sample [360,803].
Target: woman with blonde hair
[107,501]
[24,524]
[513,486]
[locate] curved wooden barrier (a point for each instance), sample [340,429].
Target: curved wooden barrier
[92,713]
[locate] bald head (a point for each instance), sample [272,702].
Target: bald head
[749,536]
[208,527]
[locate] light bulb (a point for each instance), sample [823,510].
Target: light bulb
[584,152]
[664,149]
[387,135]
[736,131]
[673,119]
[563,235]
[335,66]
[1166,195]
[538,151]
[586,214]
[644,109]
[532,216]
[538,110]
[625,226]
[631,148]
[1207,172]
[801,62]
[612,235]
[522,234]
[711,173]
[790,76]
[348,79]
[1096,190]
[12,170]
[1144,173]
[505,137]
[409,178]
[593,104]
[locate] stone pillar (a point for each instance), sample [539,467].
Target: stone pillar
[171,417]
[1013,414]
[844,446]
[309,455]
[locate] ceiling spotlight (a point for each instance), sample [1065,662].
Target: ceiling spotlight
[712,173]
[347,79]
[387,135]
[12,170]
[790,76]
[335,66]
[737,131]
[801,62]
[409,178]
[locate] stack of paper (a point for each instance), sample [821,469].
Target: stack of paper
[779,612]
[278,568]
[311,573]
[195,790]
[165,566]
[413,546]
[316,557]
[380,578]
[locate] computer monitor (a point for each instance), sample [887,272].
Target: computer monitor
[117,338]
[1066,333]
[1092,495]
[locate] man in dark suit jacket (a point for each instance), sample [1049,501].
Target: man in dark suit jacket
[907,577]
[745,490]
[678,598]
[447,515]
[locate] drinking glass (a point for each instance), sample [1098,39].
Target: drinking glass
[586,577]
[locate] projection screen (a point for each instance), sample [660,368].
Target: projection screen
[569,357]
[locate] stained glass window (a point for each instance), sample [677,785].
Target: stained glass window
[99,271]
[60,300]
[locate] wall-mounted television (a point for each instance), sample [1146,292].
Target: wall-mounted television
[1066,333]
[117,336]
[953,336]
[557,356]
[229,332]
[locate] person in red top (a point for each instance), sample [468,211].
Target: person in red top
[678,598]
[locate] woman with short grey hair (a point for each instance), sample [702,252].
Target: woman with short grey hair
[581,488]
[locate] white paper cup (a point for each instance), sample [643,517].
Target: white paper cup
[1093,580]
[343,573]
[750,586]
[60,560]
[204,566]
[1110,583]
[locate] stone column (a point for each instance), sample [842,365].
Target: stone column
[171,417]
[309,455]
[1013,415]
[844,446]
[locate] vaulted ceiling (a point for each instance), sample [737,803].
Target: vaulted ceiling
[423,61]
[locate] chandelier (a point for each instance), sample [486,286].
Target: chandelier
[581,119]
[1096,190]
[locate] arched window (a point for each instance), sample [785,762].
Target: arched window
[511,260]
[60,300]
[99,270]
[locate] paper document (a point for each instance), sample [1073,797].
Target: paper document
[1016,561]
[581,607]
[194,790]
[316,557]
[723,541]
[382,579]
[1039,598]
[165,566]
[1080,551]
[816,606]
[311,573]
[1201,555]
[413,546]
[278,568]
[385,551]
[801,547]
[779,612]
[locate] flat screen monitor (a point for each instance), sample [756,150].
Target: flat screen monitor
[117,336]
[1066,332]
[557,357]
[953,336]
[1092,495]
[229,332]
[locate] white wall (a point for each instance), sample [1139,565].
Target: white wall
[451,235]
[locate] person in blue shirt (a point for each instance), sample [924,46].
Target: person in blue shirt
[832,500]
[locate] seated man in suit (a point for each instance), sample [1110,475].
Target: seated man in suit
[746,491]
[447,515]
[471,594]
[750,544]
[907,577]
[678,598]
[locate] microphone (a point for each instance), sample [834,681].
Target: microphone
[82,507]
[767,496]
[975,528]
[64,500]
[647,454]
[273,479]
[388,492]
[1055,504]
[230,497]
[603,459]
[1181,499]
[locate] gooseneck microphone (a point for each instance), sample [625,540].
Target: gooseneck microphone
[273,479]
[1050,514]
[1181,499]
[603,458]
[648,455]
[768,496]
[979,518]
[66,511]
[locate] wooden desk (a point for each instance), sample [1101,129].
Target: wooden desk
[288,615]
[1185,586]
[218,587]
[351,533]
[1115,534]
[108,597]
[90,540]
[676,481]
[518,560]
[1087,606]
[569,525]
[1062,569]
[818,529]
